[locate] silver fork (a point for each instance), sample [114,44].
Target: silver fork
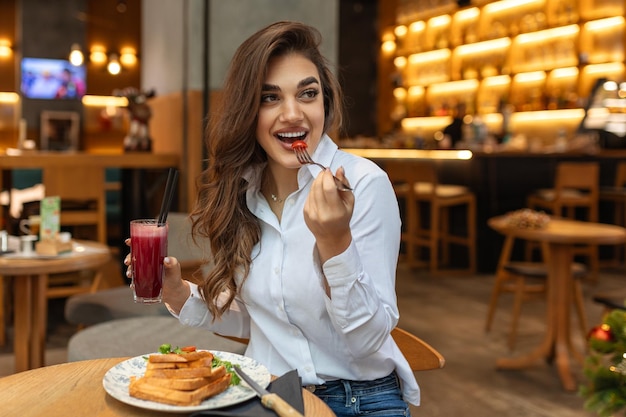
[304,158]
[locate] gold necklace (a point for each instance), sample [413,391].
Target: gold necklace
[275,198]
[265,182]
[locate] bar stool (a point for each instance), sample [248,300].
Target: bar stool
[417,184]
[527,279]
[575,195]
[616,195]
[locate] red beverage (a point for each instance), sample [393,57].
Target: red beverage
[148,248]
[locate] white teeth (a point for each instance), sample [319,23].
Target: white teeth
[291,134]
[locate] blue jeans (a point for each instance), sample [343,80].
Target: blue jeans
[380,397]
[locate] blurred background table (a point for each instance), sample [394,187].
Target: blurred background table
[30,301]
[560,235]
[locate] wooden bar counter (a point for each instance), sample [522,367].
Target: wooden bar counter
[42,159]
[500,180]
[134,188]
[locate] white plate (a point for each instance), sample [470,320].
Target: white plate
[117,379]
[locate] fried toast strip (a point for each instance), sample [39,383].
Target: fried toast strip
[180,373]
[180,357]
[181,384]
[140,388]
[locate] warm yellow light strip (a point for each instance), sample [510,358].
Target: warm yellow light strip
[610,68]
[439,21]
[104,101]
[417,26]
[548,115]
[604,24]
[529,77]
[467,14]
[410,153]
[411,123]
[431,56]
[497,81]
[416,91]
[462,86]
[544,35]
[492,119]
[9,98]
[568,72]
[509,4]
[491,46]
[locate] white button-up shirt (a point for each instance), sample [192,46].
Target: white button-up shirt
[283,308]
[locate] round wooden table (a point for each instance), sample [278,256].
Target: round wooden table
[30,303]
[560,235]
[75,389]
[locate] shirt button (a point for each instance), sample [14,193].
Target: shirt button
[277,270]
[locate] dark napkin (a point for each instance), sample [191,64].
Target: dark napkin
[288,387]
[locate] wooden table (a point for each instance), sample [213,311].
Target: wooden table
[75,389]
[560,236]
[30,302]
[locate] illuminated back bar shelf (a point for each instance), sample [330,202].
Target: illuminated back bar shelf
[541,57]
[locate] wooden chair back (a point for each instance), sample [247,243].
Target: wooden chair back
[583,177]
[420,355]
[85,186]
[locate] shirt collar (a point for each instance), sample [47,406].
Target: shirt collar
[325,151]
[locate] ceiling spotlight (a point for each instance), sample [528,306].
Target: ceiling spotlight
[114,66]
[128,56]
[5,48]
[76,55]
[98,54]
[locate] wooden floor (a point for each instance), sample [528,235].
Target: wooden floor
[449,313]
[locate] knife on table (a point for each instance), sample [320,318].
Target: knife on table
[268,399]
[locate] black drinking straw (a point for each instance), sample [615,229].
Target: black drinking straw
[172,176]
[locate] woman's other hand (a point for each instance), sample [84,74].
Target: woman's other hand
[327,213]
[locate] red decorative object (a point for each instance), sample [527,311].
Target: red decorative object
[602,333]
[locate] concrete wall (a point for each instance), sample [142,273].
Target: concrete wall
[173,59]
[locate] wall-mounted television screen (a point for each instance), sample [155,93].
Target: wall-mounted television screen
[52,79]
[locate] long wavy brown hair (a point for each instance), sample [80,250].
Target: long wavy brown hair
[221,214]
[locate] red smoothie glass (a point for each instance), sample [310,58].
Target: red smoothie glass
[148,248]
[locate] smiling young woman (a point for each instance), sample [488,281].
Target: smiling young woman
[303,270]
